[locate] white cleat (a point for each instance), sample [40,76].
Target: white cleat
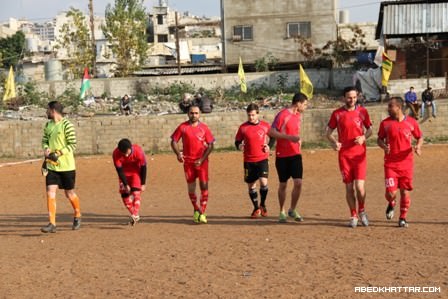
[353,222]
[364,219]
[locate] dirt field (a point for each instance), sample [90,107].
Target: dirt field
[167,256]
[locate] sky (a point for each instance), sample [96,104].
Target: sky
[42,10]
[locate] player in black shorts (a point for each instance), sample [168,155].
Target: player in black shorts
[252,139]
[289,167]
[286,130]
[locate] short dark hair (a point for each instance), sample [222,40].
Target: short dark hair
[124,144]
[194,106]
[412,87]
[348,89]
[299,97]
[252,107]
[398,100]
[56,106]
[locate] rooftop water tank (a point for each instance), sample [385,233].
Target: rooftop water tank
[53,70]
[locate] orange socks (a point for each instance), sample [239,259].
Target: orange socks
[51,205]
[74,200]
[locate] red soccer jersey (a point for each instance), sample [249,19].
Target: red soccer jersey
[350,124]
[195,139]
[131,165]
[288,123]
[254,137]
[398,135]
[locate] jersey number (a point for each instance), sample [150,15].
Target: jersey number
[390,183]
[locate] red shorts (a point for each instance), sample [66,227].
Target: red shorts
[192,172]
[396,178]
[353,167]
[133,181]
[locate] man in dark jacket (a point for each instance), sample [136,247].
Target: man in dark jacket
[428,100]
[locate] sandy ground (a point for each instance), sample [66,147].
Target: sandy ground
[168,256]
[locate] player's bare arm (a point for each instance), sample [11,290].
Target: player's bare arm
[381,143]
[418,146]
[333,142]
[175,148]
[362,139]
[277,135]
[204,157]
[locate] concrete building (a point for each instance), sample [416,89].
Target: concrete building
[198,37]
[254,28]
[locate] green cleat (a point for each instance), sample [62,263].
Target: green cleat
[196,216]
[203,218]
[282,217]
[294,214]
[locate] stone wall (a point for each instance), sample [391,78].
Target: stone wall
[400,87]
[321,78]
[117,87]
[22,139]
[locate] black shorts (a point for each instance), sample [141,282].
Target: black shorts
[289,167]
[64,179]
[255,170]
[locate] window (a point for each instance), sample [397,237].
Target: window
[162,38]
[242,33]
[302,29]
[160,19]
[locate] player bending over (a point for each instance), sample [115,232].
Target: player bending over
[130,163]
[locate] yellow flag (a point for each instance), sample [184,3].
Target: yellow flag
[242,77]
[306,87]
[386,69]
[10,86]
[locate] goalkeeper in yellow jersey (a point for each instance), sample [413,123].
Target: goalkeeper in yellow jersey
[59,144]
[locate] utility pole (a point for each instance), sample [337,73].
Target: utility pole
[92,34]
[427,43]
[223,40]
[177,47]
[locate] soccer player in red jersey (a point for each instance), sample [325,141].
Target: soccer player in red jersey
[197,141]
[252,138]
[130,163]
[395,138]
[354,127]
[286,130]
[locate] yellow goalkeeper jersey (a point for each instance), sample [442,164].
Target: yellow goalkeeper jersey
[60,136]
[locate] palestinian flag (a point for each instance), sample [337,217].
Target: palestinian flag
[85,85]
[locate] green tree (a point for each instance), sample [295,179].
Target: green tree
[12,49]
[75,39]
[125,31]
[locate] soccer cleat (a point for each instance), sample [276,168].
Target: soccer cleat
[134,219]
[255,214]
[196,216]
[282,217]
[264,211]
[76,223]
[389,212]
[203,218]
[364,219]
[50,228]
[294,214]
[402,223]
[353,222]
